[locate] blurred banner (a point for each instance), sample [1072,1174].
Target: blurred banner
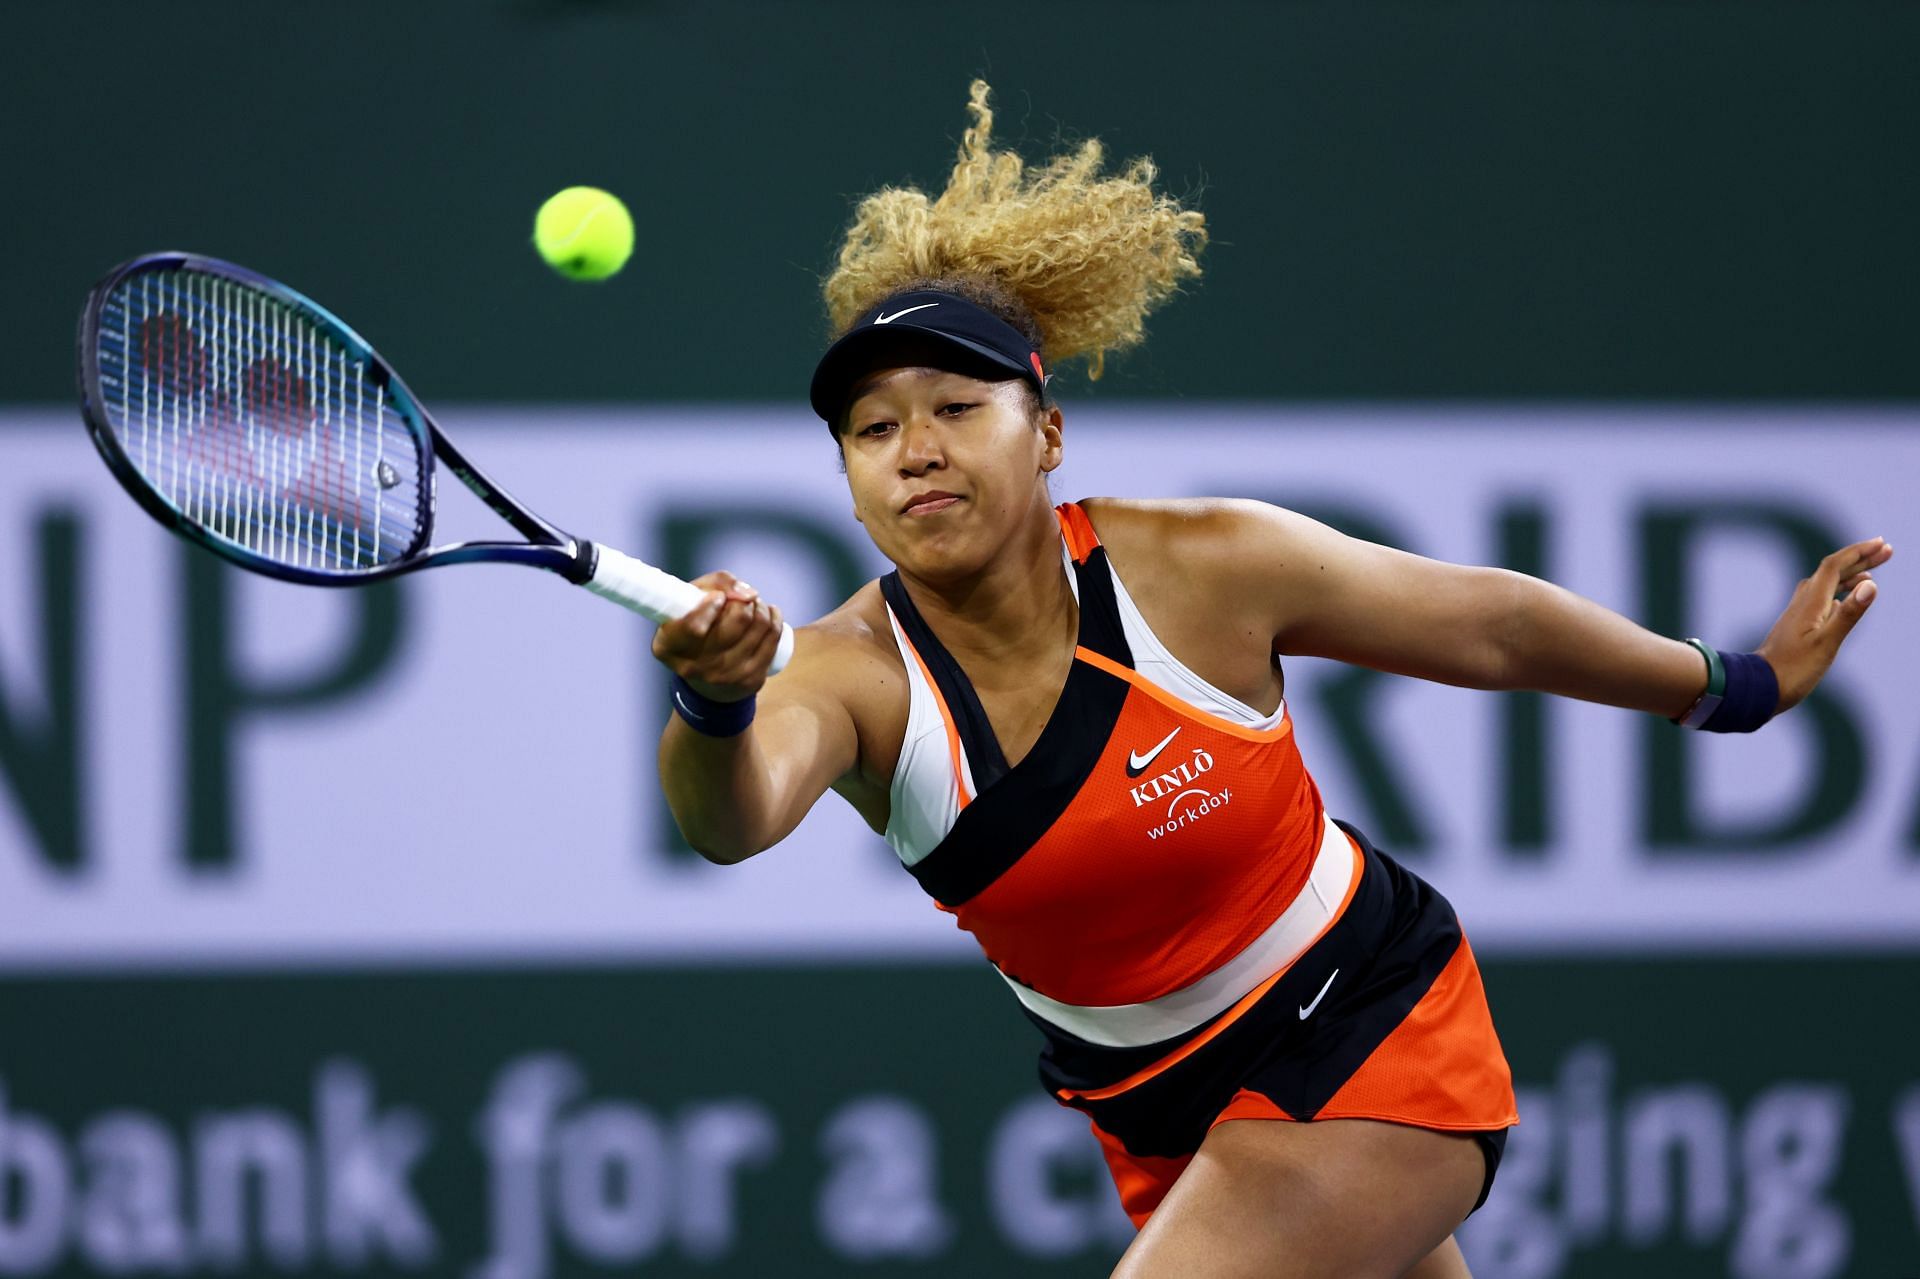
[208,767]
[346,932]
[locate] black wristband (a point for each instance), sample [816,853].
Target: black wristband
[1752,696]
[704,715]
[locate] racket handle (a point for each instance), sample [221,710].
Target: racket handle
[661,596]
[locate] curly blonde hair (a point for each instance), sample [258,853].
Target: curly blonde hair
[1085,255]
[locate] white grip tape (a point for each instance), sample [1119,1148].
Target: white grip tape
[660,596]
[641,587]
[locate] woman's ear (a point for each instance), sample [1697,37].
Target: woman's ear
[1052,445]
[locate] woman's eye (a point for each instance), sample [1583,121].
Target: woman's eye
[956,407]
[875,428]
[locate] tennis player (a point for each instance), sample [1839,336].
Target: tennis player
[1070,724]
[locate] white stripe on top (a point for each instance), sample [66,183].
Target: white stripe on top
[1285,940]
[924,799]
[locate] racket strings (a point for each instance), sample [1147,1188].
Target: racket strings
[259,425]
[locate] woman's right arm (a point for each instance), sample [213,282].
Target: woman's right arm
[735,796]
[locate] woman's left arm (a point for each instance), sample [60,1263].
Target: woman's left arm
[1328,595]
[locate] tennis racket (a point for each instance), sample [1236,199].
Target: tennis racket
[249,419]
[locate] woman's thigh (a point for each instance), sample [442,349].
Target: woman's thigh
[1345,1198]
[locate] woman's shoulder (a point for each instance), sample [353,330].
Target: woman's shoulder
[858,627]
[1187,530]
[1192,567]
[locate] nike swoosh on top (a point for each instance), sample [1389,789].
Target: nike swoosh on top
[1308,1010]
[1137,763]
[884,318]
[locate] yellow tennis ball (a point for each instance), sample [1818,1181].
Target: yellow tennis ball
[584,233]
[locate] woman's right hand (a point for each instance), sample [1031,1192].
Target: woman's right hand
[725,646]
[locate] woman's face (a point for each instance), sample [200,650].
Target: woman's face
[944,468]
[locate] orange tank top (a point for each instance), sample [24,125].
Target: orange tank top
[1142,844]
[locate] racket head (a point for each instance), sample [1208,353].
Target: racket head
[253,421]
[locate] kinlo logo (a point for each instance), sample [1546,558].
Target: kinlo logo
[1187,799]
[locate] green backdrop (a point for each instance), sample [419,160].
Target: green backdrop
[1681,1117]
[1561,199]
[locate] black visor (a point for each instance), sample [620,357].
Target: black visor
[982,341]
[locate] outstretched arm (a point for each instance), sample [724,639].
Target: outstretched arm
[1324,594]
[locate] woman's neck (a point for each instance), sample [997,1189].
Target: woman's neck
[1013,606]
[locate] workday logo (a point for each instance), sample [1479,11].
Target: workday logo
[1188,799]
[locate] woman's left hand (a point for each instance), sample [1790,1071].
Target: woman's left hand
[1823,611]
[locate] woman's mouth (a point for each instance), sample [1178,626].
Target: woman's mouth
[929,503]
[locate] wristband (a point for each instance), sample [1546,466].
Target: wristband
[1752,696]
[704,715]
[1742,693]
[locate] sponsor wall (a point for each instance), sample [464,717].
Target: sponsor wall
[344,931]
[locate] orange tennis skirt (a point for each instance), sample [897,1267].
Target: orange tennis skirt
[1384,1017]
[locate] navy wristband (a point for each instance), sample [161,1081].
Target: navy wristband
[1752,696]
[704,715]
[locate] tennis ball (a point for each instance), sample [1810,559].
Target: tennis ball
[584,233]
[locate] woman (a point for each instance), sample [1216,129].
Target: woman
[1070,725]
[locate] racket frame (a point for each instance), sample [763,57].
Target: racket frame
[547,547]
[607,572]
